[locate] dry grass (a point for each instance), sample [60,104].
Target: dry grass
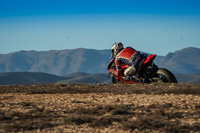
[100,108]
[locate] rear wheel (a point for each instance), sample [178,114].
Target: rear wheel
[166,76]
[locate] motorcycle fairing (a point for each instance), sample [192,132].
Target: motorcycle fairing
[150,58]
[146,63]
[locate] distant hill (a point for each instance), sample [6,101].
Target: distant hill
[75,75]
[18,78]
[88,78]
[61,62]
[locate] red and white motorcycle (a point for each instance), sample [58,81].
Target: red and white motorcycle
[148,73]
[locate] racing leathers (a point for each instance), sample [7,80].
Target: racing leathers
[128,56]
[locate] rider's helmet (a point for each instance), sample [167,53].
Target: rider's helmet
[116,47]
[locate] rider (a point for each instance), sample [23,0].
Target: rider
[127,56]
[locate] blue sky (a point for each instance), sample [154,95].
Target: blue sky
[154,26]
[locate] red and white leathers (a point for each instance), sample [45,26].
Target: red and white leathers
[128,56]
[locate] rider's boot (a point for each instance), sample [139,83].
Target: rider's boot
[126,78]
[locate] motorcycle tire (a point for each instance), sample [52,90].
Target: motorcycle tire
[166,76]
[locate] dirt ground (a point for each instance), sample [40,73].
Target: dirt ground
[100,108]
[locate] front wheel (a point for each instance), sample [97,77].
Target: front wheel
[115,80]
[166,76]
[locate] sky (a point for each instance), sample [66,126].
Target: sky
[153,26]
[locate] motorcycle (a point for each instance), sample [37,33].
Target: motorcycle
[148,73]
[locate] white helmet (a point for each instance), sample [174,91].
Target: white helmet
[116,47]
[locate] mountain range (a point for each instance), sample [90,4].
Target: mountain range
[60,62]
[85,66]
[184,61]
